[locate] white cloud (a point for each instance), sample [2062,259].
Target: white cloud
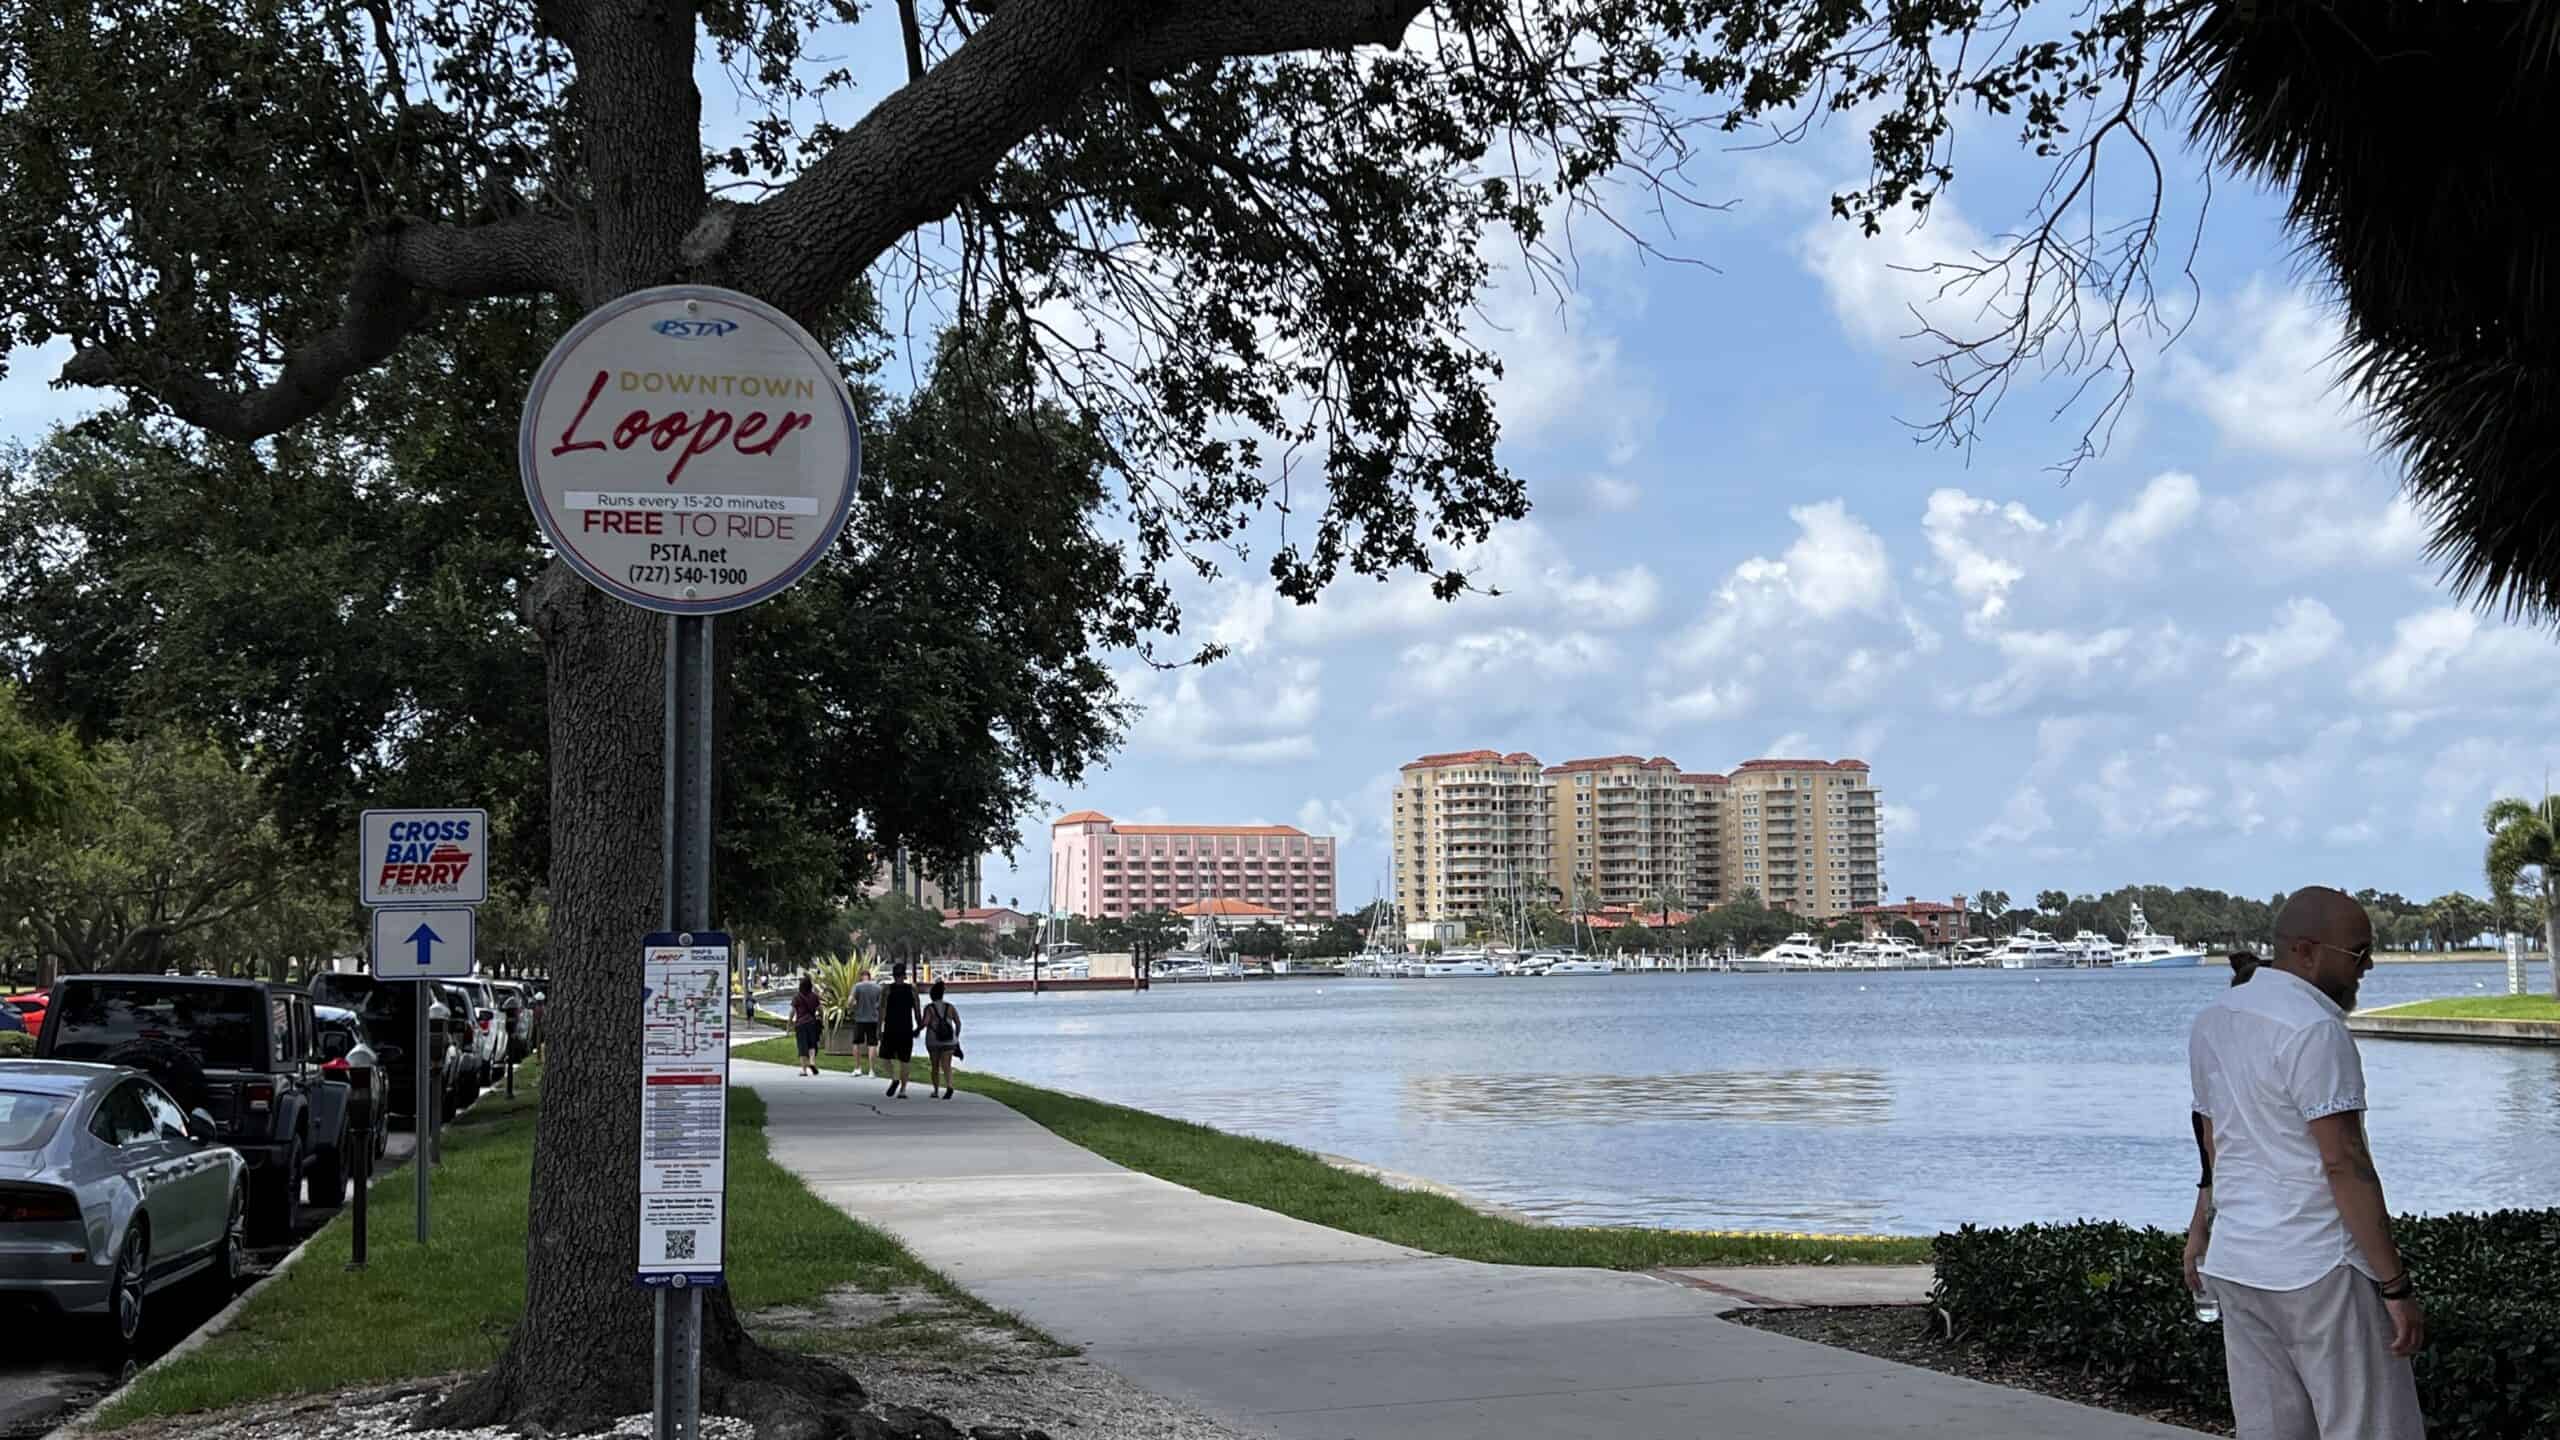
[2154,797]
[1613,493]
[1882,288]
[1895,819]
[2448,653]
[1491,669]
[2305,631]
[2348,835]
[1233,712]
[2038,659]
[1520,573]
[2022,818]
[1794,745]
[2308,524]
[2275,390]
[1705,702]
[2162,509]
[1835,567]
[1979,545]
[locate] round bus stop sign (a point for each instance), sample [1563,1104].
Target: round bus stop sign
[689,449]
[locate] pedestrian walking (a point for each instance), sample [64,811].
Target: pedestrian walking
[2291,1245]
[2243,965]
[866,1021]
[900,1018]
[804,1025]
[941,1041]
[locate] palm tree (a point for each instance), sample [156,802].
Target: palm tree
[2527,837]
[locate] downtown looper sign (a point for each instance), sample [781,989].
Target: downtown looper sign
[690,450]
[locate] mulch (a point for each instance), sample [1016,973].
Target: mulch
[1908,1334]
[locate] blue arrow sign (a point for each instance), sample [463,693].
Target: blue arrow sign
[432,943]
[426,940]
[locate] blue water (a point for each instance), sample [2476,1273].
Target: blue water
[1887,1103]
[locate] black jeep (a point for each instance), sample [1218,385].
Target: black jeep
[242,1050]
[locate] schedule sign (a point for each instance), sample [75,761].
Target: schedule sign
[689,449]
[684,1107]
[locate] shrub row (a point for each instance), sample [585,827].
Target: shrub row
[2112,1300]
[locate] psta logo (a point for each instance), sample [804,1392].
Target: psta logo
[694,329]
[423,855]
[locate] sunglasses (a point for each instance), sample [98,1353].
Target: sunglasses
[2362,954]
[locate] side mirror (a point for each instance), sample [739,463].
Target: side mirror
[438,1012]
[361,1057]
[200,1125]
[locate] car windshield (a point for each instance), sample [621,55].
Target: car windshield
[223,1026]
[27,1121]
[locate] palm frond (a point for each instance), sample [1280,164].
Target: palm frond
[2411,138]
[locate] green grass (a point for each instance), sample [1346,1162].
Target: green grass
[2478,1007]
[1302,1185]
[450,1306]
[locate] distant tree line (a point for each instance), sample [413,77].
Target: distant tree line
[2218,920]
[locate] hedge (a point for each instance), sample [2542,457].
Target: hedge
[2112,1300]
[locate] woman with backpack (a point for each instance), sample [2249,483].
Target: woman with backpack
[941,1040]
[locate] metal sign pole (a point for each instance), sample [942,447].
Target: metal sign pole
[422,1123]
[686,886]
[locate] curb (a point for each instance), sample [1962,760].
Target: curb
[78,1425]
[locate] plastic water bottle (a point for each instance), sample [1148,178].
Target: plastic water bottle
[2208,1309]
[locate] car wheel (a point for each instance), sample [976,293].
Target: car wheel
[283,1209]
[234,1259]
[129,1287]
[329,1177]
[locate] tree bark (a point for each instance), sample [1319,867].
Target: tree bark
[583,1351]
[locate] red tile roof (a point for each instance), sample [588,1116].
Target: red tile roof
[1455,757]
[1708,777]
[1081,817]
[1802,765]
[1908,907]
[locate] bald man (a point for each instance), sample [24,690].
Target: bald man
[2319,1317]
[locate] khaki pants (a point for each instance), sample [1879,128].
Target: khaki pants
[2316,1363]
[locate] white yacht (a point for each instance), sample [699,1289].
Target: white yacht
[1796,952]
[1459,965]
[1582,965]
[1971,954]
[2156,952]
[2092,949]
[2032,949]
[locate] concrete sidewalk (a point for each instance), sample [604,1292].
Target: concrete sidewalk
[1294,1330]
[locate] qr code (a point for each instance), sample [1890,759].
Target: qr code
[679,1244]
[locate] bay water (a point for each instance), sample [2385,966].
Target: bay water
[1882,1103]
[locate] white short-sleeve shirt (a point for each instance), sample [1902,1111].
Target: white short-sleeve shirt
[2267,1058]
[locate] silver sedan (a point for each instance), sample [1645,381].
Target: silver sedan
[109,1192]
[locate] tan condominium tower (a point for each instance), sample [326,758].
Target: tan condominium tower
[1805,835]
[1472,828]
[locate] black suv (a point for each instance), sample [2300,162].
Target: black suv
[241,1050]
[389,1009]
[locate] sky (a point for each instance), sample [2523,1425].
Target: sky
[2214,655]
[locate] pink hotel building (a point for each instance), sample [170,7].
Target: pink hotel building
[1102,870]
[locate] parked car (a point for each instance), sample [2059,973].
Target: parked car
[389,1009]
[30,1008]
[515,1008]
[348,1054]
[241,1050]
[109,1193]
[488,1027]
[10,1024]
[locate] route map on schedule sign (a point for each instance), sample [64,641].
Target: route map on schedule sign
[684,1108]
[689,450]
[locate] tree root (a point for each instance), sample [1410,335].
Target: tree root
[785,1396]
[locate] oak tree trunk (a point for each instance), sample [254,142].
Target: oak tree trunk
[583,1351]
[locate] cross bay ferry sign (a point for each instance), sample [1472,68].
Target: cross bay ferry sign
[690,450]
